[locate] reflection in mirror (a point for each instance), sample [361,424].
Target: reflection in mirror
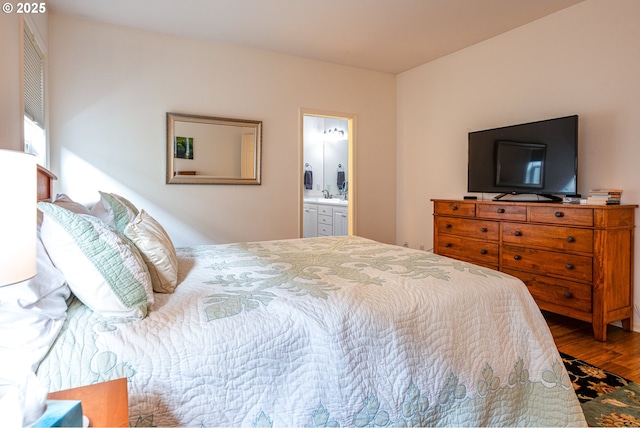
[213,150]
[336,158]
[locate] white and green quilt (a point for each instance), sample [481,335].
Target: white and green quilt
[325,332]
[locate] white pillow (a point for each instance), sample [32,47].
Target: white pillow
[115,210]
[32,313]
[103,268]
[65,201]
[157,251]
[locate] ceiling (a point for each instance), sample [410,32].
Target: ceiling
[390,36]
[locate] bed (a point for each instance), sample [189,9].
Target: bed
[334,331]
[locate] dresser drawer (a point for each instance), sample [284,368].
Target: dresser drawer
[463,209]
[325,219]
[571,266]
[554,292]
[325,210]
[562,215]
[480,229]
[502,211]
[325,230]
[554,237]
[470,249]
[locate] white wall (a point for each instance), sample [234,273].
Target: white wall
[582,60]
[111,87]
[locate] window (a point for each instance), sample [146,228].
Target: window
[35,140]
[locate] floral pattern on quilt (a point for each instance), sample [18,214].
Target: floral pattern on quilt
[282,265]
[95,365]
[417,411]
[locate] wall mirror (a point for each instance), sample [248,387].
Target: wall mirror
[213,150]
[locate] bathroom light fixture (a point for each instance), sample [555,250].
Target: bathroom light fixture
[334,134]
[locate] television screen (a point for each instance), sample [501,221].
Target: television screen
[537,157]
[520,164]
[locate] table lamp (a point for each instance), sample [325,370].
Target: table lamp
[18,216]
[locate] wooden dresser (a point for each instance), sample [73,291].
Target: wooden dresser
[576,260]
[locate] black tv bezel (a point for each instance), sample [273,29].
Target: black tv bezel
[506,133]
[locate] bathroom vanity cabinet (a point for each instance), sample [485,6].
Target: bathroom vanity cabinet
[325,219]
[310,220]
[340,221]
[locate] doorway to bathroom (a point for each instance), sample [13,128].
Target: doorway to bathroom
[327,175]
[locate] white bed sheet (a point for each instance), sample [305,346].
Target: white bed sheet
[338,331]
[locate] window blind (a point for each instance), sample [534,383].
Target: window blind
[33,79]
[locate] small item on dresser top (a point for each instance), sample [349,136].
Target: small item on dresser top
[470,198]
[571,199]
[604,197]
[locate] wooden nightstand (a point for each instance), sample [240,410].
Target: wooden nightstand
[106,404]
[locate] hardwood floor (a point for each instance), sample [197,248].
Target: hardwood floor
[620,354]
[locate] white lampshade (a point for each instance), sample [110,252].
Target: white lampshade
[18,216]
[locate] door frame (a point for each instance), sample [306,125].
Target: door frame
[351,172]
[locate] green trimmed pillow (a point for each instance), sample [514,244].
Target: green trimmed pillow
[115,210]
[103,268]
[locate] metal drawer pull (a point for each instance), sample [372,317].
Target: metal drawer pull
[559,214]
[483,229]
[483,251]
[570,239]
[568,294]
[517,233]
[517,257]
[500,210]
[447,226]
[569,266]
[454,207]
[447,244]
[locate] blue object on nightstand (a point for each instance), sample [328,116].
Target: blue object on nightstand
[61,413]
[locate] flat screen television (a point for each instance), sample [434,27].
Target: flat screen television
[538,158]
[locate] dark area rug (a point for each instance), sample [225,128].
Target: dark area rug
[607,400]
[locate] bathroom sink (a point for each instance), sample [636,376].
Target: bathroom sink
[335,201]
[332,201]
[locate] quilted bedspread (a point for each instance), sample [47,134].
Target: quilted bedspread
[338,331]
